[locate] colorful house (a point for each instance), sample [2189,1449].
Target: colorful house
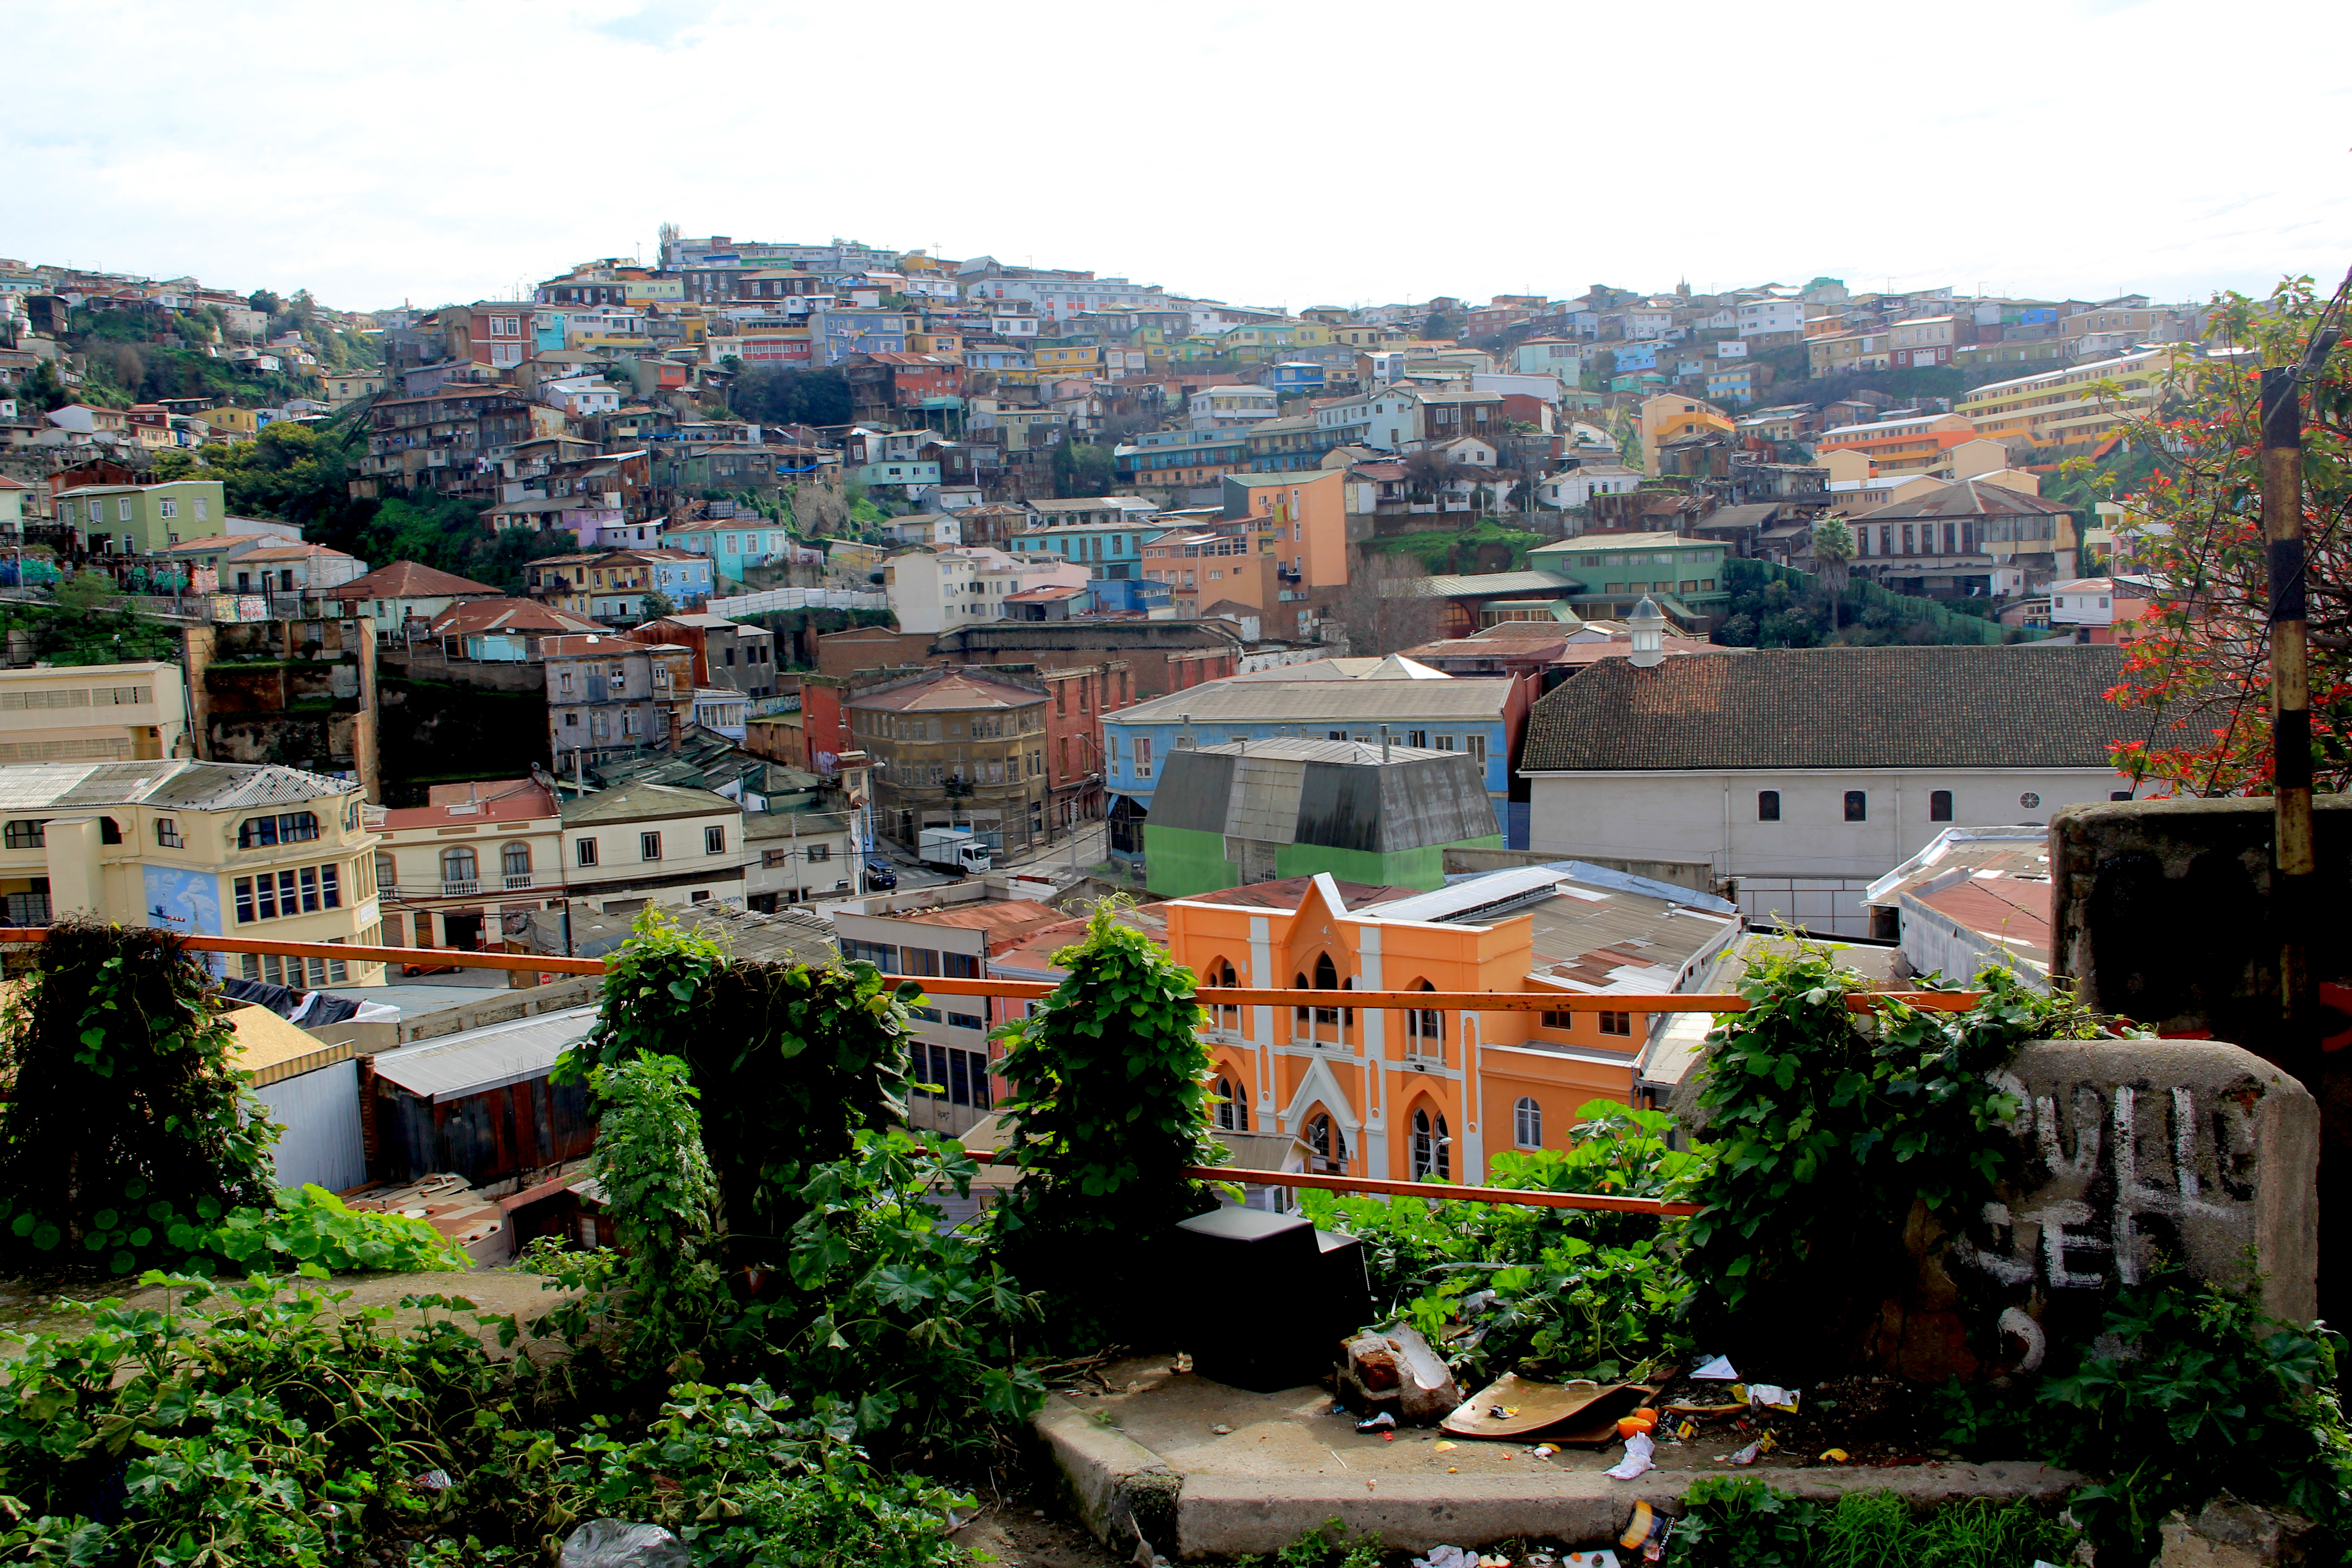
[1435,1093]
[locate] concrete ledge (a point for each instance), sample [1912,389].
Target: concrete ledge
[1117,1486]
[1108,1478]
[1224,1515]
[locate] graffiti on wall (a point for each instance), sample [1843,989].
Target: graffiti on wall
[2118,1175]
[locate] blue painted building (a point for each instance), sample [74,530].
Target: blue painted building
[1106,549]
[1128,596]
[731,545]
[1640,356]
[1294,376]
[684,580]
[833,333]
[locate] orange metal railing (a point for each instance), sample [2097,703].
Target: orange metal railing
[1208,997]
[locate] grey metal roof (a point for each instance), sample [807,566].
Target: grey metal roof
[458,1065]
[1445,587]
[168,783]
[1465,698]
[1335,793]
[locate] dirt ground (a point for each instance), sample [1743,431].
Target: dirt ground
[60,1304]
[1028,1530]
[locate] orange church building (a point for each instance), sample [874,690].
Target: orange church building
[1415,1093]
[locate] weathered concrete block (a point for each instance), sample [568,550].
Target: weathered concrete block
[2227,1533]
[2137,1151]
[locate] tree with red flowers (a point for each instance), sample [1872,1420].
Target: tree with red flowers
[2197,689]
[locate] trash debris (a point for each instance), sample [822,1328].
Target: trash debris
[1771,1396]
[1687,1430]
[1643,1420]
[1755,1451]
[1638,1449]
[1387,1437]
[1375,1422]
[1539,1559]
[1836,1455]
[1395,1369]
[1604,1558]
[433,1482]
[1337,1410]
[1443,1444]
[618,1544]
[1542,1451]
[1503,1412]
[1222,1430]
[1646,1532]
[1490,1560]
[1716,1371]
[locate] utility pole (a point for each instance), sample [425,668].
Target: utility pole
[2294,861]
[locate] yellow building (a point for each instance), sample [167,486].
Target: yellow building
[1668,418]
[201,848]
[2065,408]
[1059,362]
[237,424]
[92,713]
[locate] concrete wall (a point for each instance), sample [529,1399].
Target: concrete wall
[1674,815]
[2162,913]
[2125,1153]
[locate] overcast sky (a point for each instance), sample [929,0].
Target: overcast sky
[1293,153]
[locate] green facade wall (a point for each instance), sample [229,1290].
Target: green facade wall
[1180,862]
[1423,869]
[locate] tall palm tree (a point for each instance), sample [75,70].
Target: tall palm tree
[1832,552]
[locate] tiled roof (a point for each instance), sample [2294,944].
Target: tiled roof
[472,615]
[1969,497]
[950,690]
[1835,708]
[408,580]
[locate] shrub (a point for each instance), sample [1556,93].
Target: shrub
[1555,1292]
[126,1117]
[797,1059]
[2188,1391]
[1829,1126]
[1110,1105]
[1743,1522]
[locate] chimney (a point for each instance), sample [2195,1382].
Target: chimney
[1648,626]
[1384,745]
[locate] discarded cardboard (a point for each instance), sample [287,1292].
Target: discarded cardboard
[1582,1412]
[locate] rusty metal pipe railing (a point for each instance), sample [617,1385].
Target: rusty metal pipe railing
[1441,1192]
[1031,990]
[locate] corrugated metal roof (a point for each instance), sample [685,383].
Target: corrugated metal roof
[481,1060]
[1445,587]
[1324,701]
[167,783]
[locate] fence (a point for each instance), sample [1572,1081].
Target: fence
[1220,997]
[769,599]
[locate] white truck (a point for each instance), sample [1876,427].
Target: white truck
[957,849]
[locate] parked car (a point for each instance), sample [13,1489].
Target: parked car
[880,874]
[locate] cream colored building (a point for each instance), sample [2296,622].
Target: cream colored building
[2062,407]
[449,869]
[92,713]
[648,843]
[202,848]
